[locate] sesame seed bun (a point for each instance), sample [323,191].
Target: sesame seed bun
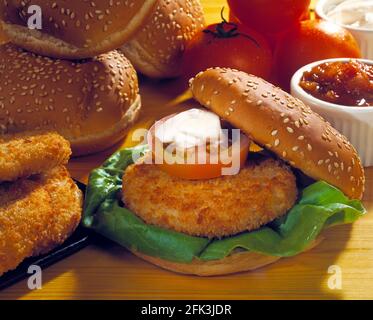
[90,102]
[74,29]
[156,50]
[282,124]
[234,263]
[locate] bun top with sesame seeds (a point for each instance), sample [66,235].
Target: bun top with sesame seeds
[74,28]
[89,102]
[156,50]
[282,124]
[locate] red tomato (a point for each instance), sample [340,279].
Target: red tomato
[311,41]
[202,171]
[196,171]
[306,15]
[271,38]
[228,45]
[269,16]
[233,18]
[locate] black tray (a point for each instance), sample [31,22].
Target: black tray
[80,239]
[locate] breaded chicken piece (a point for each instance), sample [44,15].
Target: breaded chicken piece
[25,154]
[36,215]
[217,207]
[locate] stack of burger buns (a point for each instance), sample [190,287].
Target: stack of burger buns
[67,87]
[68,77]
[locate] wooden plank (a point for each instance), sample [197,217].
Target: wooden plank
[110,272]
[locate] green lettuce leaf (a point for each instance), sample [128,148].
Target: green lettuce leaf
[122,226]
[320,205]
[106,181]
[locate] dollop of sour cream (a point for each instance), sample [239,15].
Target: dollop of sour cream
[353,13]
[190,128]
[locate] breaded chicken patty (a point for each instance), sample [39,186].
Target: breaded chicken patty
[36,215]
[25,154]
[261,192]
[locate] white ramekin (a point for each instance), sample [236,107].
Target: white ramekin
[363,36]
[356,123]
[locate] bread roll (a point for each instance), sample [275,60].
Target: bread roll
[237,262]
[90,102]
[234,263]
[156,50]
[74,28]
[282,124]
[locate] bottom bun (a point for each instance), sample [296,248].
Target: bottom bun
[237,262]
[93,143]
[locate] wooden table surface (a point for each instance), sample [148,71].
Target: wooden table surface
[110,272]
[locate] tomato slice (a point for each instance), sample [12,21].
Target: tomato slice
[215,162]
